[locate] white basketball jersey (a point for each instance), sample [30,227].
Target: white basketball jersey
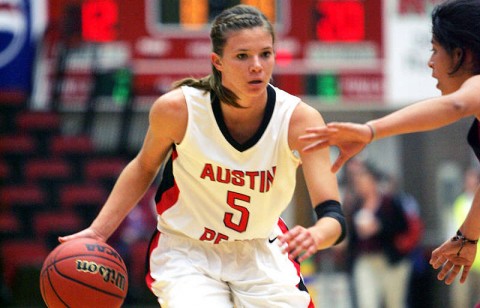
[214,189]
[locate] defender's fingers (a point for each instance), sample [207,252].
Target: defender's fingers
[325,130]
[437,261]
[341,160]
[466,270]
[316,146]
[452,275]
[447,267]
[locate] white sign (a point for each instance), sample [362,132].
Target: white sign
[407,48]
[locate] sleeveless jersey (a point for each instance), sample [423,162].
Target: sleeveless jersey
[473,138]
[215,189]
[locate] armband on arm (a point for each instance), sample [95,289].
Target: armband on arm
[333,209]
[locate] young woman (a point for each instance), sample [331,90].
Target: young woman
[455,63]
[231,140]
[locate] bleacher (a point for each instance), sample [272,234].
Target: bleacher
[51,184]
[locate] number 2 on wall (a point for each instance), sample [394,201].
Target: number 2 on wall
[232,199]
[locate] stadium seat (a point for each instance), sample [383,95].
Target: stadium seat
[17,254]
[71,145]
[23,200]
[41,122]
[49,225]
[56,169]
[20,195]
[84,199]
[5,171]
[17,144]
[103,170]
[10,225]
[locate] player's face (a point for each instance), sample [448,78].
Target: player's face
[442,63]
[247,62]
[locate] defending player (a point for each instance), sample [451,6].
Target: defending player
[455,63]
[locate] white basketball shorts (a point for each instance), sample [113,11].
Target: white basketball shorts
[184,272]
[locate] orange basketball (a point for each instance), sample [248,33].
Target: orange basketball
[84,273]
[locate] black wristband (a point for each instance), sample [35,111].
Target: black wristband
[461,237]
[463,240]
[333,209]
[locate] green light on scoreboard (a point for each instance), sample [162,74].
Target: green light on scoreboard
[325,85]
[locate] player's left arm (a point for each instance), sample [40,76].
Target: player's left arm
[323,191]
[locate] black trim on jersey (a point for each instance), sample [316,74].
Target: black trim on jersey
[217,111]
[473,138]
[167,181]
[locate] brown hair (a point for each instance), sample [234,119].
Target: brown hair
[236,18]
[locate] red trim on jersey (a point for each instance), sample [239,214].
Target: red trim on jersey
[169,198]
[174,154]
[283,227]
[153,244]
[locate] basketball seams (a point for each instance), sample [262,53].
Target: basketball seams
[87,285]
[53,264]
[71,265]
[54,290]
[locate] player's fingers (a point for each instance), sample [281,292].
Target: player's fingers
[308,253]
[299,241]
[452,274]
[295,238]
[295,252]
[301,251]
[466,270]
[284,239]
[84,233]
[63,239]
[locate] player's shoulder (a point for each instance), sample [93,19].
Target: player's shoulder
[282,95]
[305,113]
[170,104]
[475,79]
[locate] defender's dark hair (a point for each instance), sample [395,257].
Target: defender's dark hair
[456,24]
[236,18]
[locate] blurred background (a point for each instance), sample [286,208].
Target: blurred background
[77,79]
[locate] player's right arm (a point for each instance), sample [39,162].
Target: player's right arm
[167,123]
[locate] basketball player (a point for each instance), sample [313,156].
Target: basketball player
[232,144]
[455,63]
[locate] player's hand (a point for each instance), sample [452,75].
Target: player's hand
[298,243]
[350,138]
[445,257]
[89,232]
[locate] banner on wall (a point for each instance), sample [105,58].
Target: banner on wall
[20,26]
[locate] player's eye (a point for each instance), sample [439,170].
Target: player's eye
[267,54]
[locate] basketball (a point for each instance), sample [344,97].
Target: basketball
[84,273]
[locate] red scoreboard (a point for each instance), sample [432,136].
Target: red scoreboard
[330,49]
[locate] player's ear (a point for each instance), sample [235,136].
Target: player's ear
[216,61]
